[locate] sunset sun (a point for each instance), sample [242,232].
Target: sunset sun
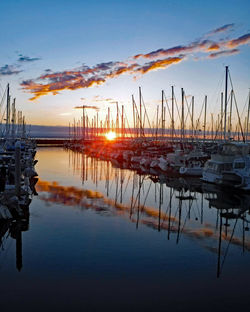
[111,135]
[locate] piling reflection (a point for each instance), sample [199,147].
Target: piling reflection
[12,229]
[185,209]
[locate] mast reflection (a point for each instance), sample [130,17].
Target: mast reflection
[14,229]
[182,208]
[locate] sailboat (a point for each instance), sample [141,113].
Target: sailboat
[230,166]
[17,173]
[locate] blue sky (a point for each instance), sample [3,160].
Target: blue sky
[64,35]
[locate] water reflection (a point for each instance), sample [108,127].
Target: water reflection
[13,230]
[185,209]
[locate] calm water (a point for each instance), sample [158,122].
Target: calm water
[103,238]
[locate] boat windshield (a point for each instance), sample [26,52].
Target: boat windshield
[218,167]
[239,165]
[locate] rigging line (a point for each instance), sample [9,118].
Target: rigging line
[245,105]
[139,118]
[144,121]
[175,130]
[178,112]
[3,99]
[188,107]
[230,79]
[3,115]
[221,121]
[241,129]
[219,87]
[119,113]
[146,111]
[165,98]
[198,120]
[126,118]
[2,89]
[170,114]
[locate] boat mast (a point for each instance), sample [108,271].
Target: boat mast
[248,112]
[230,114]
[157,112]
[140,101]
[205,118]
[83,121]
[117,118]
[13,121]
[108,119]
[172,126]
[182,114]
[8,111]
[162,112]
[225,114]
[212,122]
[122,121]
[133,114]
[221,116]
[192,118]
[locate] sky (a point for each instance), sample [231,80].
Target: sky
[60,54]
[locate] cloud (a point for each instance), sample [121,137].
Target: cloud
[27,59]
[159,64]
[167,52]
[242,40]
[213,47]
[88,76]
[8,70]
[223,53]
[98,98]
[202,45]
[64,83]
[221,29]
[14,69]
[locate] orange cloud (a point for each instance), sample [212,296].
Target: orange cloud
[242,40]
[159,64]
[213,47]
[39,89]
[86,77]
[202,45]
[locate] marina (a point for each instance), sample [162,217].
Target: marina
[124,156]
[96,227]
[17,173]
[102,192]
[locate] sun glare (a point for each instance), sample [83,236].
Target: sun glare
[111,135]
